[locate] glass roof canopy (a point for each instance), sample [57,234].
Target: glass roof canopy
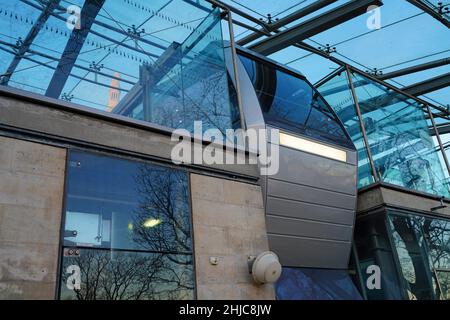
[410,50]
[408,36]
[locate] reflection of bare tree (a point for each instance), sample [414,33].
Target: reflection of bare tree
[164,199]
[427,244]
[117,275]
[419,279]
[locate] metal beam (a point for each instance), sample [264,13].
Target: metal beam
[431,10]
[416,68]
[429,85]
[239,12]
[303,12]
[313,26]
[89,12]
[443,128]
[26,43]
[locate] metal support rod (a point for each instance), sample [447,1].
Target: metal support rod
[313,26]
[90,10]
[32,34]
[438,137]
[236,69]
[361,124]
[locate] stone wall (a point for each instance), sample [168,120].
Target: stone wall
[31,195]
[228,224]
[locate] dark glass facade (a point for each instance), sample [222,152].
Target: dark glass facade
[412,251]
[338,94]
[127,227]
[291,103]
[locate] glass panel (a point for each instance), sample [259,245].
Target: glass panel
[121,204]
[412,255]
[315,284]
[437,234]
[399,139]
[444,284]
[127,229]
[423,246]
[122,57]
[293,104]
[374,248]
[122,275]
[339,96]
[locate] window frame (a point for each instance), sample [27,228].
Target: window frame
[126,157]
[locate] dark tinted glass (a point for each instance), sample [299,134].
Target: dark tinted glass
[121,275]
[121,204]
[291,103]
[315,284]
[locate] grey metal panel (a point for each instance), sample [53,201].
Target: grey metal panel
[302,210]
[310,253]
[286,190]
[308,169]
[308,228]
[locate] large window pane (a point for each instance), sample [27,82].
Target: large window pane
[123,214]
[121,204]
[121,275]
[412,255]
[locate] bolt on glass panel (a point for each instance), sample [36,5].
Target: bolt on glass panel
[339,96]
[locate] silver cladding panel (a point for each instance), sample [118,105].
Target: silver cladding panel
[310,204]
[310,210]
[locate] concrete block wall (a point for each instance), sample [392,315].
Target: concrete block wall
[228,224]
[31,196]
